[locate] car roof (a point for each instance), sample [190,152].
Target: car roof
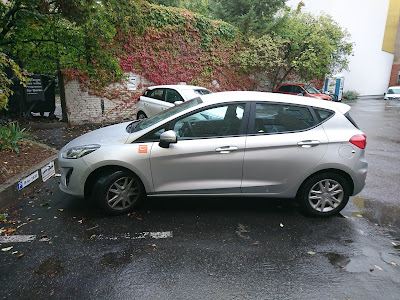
[234,96]
[177,87]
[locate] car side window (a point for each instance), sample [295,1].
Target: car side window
[278,118]
[156,94]
[172,96]
[323,114]
[285,89]
[213,122]
[297,89]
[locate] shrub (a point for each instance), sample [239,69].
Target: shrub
[10,136]
[350,95]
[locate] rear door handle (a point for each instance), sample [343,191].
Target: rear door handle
[226,149]
[308,144]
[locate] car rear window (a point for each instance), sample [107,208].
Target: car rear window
[394,91]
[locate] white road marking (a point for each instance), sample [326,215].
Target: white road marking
[17,238]
[137,236]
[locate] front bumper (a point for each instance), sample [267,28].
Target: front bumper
[74,173]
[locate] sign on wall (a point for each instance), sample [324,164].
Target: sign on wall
[131,83]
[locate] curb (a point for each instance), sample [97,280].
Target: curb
[9,192]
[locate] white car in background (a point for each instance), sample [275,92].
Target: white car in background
[393,93]
[161,97]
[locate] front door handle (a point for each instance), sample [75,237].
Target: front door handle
[226,149]
[308,144]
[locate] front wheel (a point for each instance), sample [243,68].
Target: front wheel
[324,195]
[118,192]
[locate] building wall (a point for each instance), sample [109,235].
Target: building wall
[365,20]
[83,108]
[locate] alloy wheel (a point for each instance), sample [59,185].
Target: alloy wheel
[123,193]
[325,195]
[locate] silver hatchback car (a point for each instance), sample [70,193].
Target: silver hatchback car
[229,143]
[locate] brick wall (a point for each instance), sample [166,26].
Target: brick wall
[83,108]
[394,75]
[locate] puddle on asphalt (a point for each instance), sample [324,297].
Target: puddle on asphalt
[381,214]
[377,212]
[50,267]
[338,259]
[116,258]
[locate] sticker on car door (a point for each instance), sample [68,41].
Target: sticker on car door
[142,149]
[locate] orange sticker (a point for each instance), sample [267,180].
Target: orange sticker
[142,148]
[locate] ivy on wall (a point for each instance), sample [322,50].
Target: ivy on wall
[167,46]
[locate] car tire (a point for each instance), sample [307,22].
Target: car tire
[324,195]
[141,115]
[118,192]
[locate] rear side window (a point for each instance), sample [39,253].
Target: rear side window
[278,118]
[323,114]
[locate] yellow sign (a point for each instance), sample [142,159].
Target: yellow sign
[392,23]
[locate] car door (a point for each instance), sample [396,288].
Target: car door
[153,101]
[208,157]
[283,145]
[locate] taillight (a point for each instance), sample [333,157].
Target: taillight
[359,140]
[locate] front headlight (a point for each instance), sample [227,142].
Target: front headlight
[77,152]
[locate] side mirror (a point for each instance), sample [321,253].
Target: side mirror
[166,138]
[176,103]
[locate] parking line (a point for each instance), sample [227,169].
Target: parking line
[17,238]
[137,236]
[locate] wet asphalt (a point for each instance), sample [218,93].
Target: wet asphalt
[226,248]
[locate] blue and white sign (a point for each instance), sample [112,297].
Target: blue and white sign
[28,180]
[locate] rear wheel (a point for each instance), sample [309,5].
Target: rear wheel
[141,115]
[324,195]
[118,192]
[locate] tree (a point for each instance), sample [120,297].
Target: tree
[51,35]
[7,78]
[317,46]
[301,44]
[263,55]
[197,6]
[250,16]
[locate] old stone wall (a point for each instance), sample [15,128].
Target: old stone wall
[84,108]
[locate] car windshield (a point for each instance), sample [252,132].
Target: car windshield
[165,114]
[190,94]
[394,91]
[310,89]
